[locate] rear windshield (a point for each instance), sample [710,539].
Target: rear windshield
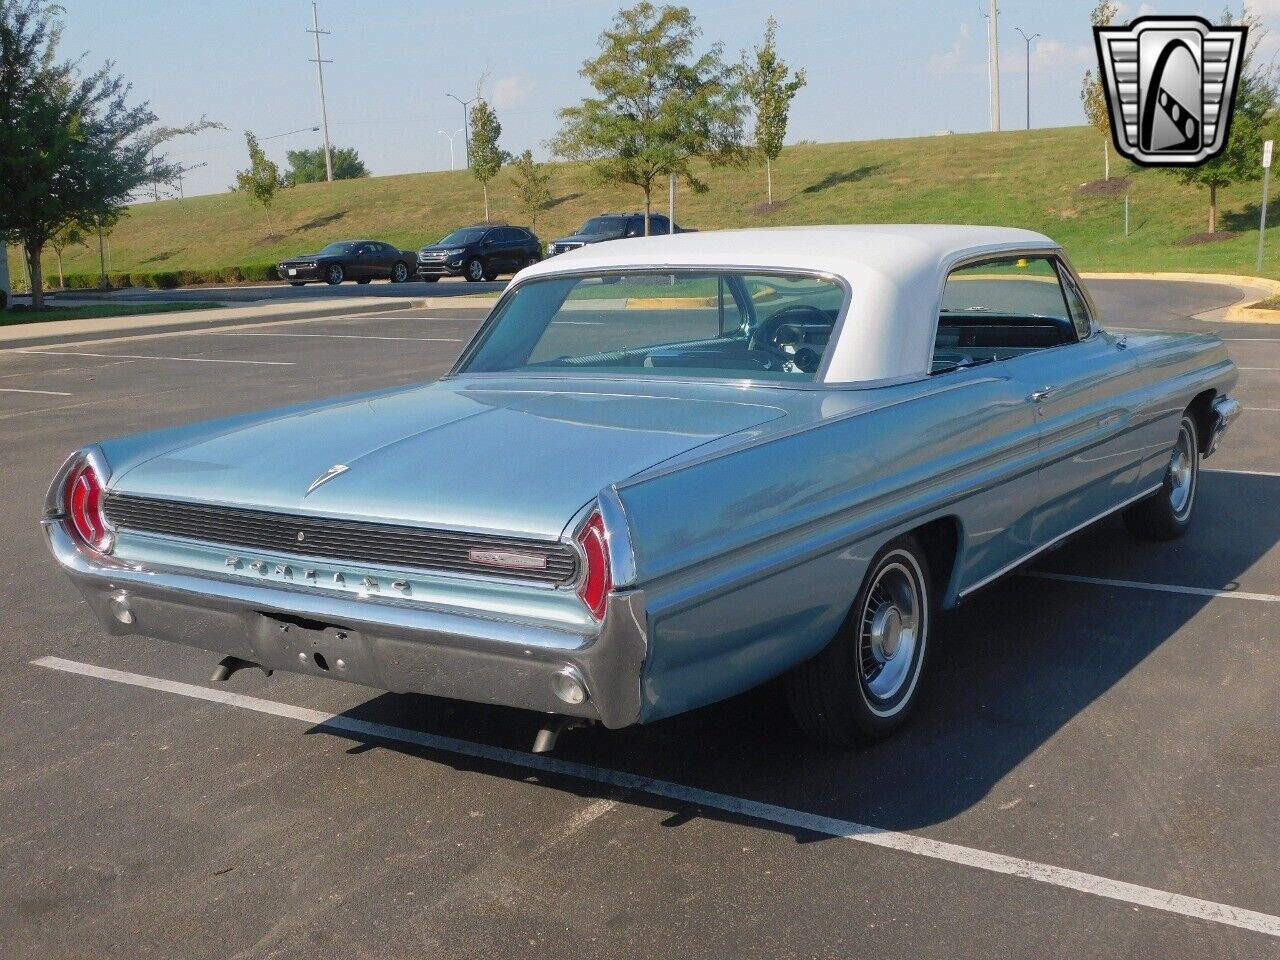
[722,325]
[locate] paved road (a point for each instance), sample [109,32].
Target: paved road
[282,292]
[1114,730]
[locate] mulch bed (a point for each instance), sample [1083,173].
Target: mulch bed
[1115,187]
[1214,237]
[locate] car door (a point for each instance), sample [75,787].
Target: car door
[1086,398]
[511,250]
[386,258]
[362,262]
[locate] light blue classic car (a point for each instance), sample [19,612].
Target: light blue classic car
[664,471]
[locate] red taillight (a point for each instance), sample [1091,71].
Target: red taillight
[82,499]
[597,581]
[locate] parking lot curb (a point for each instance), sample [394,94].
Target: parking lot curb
[1262,288]
[104,328]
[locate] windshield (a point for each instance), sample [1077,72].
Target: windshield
[603,225]
[338,249]
[699,324]
[464,236]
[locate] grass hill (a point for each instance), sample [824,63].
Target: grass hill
[1040,179]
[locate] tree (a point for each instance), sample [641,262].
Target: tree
[486,155]
[160,135]
[533,185]
[72,234]
[770,87]
[1093,96]
[71,146]
[658,108]
[307,166]
[262,178]
[1255,100]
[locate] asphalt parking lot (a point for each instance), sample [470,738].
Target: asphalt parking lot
[1092,771]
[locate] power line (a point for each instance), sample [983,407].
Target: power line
[315,31]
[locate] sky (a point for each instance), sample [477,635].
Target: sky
[876,69]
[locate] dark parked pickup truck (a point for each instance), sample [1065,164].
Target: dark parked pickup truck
[612,226]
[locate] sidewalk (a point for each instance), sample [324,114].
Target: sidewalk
[99,328]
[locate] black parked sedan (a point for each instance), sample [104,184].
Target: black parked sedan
[358,260]
[479,253]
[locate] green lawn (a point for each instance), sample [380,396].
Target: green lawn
[11,317]
[1028,179]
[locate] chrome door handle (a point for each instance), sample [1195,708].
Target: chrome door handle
[1041,395]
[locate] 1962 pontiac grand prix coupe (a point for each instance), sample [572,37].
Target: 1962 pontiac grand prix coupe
[664,471]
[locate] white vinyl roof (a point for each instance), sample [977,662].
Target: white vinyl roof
[895,273]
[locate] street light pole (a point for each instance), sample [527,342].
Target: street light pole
[324,113]
[450,137]
[1028,40]
[466,128]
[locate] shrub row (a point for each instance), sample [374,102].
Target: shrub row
[168,279]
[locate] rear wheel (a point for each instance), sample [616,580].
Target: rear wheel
[334,275]
[475,270]
[532,260]
[863,684]
[399,273]
[1166,514]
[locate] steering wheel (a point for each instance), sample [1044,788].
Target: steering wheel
[764,337]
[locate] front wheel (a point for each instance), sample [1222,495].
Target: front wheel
[334,275]
[475,270]
[1166,514]
[399,273]
[862,685]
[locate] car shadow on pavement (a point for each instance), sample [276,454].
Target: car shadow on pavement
[1010,669]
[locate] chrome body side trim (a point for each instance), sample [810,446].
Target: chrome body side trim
[1055,541]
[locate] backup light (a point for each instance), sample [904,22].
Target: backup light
[598,579]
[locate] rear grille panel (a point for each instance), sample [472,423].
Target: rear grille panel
[351,541]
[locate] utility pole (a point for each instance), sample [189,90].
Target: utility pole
[1028,40]
[466,129]
[671,203]
[993,65]
[315,31]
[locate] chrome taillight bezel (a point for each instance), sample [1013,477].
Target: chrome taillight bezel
[58,509]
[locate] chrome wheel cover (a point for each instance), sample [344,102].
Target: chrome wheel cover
[475,270]
[1181,476]
[401,273]
[892,631]
[335,274]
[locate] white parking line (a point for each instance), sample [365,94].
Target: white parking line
[127,356]
[1130,893]
[47,393]
[1271,369]
[1158,587]
[341,336]
[1250,473]
[1264,409]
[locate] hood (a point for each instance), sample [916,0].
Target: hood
[308,257]
[441,247]
[516,459]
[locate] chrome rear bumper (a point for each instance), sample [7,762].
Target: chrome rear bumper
[397,646]
[1225,412]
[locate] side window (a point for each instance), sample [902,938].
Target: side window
[1079,306]
[1001,308]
